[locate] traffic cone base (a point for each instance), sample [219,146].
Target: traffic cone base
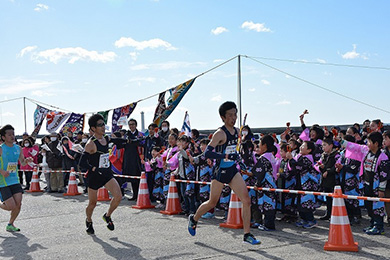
[173,206]
[34,184]
[234,219]
[340,233]
[143,200]
[103,194]
[72,185]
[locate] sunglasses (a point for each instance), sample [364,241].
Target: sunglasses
[100,125]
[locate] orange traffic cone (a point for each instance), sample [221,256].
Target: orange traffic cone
[72,185]
[340,234]
[103,194]
[143,200]
[234,219]
[173,206]
[34,184]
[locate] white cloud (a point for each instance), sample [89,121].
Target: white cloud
[41,93]
[146,79]
[71,54]
[218,60]
[167,65]
[19,85]
[265,82]
[252,90]
[153,44]
[134,55]
[41,7]
[217,98]
[287,76]
[219,30]
[351,54]
[258,27]
[27,50]
[321,61]
[283,102]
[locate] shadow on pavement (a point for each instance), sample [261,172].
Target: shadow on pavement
[17,247]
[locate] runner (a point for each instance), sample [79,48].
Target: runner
[10,188]
[225,141]
[95,159]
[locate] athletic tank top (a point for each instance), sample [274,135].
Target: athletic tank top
[9,162]
[100,159]
[227,148]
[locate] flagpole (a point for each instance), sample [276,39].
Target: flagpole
[239,91]
[24,105]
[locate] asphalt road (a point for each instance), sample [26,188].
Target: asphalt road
[53,227]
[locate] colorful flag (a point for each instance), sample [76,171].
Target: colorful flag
[39,115]
[74,123]
[160,106]
[121,113]
[186,128]
[54,120]
[104,115]
[176,95]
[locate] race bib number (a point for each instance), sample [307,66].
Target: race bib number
[229,150]
[12,167]
[104,161]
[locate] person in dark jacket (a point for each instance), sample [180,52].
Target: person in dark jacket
[68,159]
[131,158]
[328,170]
[54,161]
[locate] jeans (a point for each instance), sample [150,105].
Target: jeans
[306,215]
[376,221]
[189,201]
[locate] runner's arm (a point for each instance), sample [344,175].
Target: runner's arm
[90,148]
[218,138]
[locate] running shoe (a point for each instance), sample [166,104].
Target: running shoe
[250,239]
[310,224]
[90,230]
[264,228]
[367,228]
[375,231]
[12,228]
[300,223]
[108,220]
[255,225]
[192,225]
[208,215]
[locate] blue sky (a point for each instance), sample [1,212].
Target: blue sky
[86,56]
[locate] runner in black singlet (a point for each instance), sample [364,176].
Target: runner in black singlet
[224,141]
[95,159]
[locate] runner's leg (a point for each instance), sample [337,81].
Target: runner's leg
[240,189]
[113,187]
[92,200]
[18,204]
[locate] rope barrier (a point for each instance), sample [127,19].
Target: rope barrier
[300,192]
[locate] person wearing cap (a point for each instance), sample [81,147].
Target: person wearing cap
[54,161]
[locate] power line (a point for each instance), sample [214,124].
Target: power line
[318,86]
[9,100]
[322,63]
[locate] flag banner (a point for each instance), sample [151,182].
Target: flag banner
[104,115]
[176,95]
[74,123]
[39,115]
[119,113]
[160,106]
[55,119]
[186,128]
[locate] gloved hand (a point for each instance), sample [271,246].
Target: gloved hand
[233,156]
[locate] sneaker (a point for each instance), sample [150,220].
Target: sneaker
[192,225]
[250,239]
[300,223]
[367,228]
[208,215]
[255,225]
[310,224]
[90,230]
[264,228]
[12,228]
[375,231]
[110,224]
